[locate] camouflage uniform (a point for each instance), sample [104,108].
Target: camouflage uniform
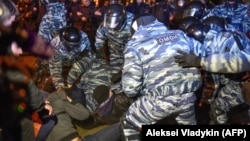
[227,93]
[150,72]
[116,41]
[66,58]
[239,18]
[53,20]
[93,72]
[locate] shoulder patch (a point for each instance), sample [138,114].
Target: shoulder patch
[167,38]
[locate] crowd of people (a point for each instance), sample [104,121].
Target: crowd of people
[121,64]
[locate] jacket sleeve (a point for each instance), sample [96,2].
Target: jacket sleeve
[36,97]
[227,63]
[100,40]
[55,66]
[77,69]
[76,110]
[132,73]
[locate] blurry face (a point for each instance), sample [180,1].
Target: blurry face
[203,1]
[232,2]
[139,1]
[113,1]
[181,3]
[86,2]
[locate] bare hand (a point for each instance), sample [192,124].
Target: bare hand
[49,108]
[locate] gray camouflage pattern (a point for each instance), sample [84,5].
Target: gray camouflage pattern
[150,72]
[63,57]
[116,39]
[53,20]
[240,17]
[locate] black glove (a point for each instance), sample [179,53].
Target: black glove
[187,60]
[116,77]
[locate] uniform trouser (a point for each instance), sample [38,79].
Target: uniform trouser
[228,97]
[150,109]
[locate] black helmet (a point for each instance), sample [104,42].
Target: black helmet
[142,20]
[7,9]
[162,12]
[195,9]
[113,1]
[215,22]
[197,31]
[115,16]
[186,22]
[70,37]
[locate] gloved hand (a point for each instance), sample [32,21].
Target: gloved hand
[187,60]
[116,77]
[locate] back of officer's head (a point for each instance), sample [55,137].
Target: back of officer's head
[115,16]
[232,4]
[162,12]
[186,22]
[194,9]
[70,37]
[196,31]
[142,20]
[215,22]
[200,30]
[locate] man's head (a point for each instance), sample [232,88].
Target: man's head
[196,31]
[115,16]
[70,37]
[215,22]
[142,20]
[232,4]
[186,22]
[101,93]
[194,9]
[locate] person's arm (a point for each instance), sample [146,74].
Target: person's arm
[26,41]
[227,62]
[78,69]
[75,110]
[55,66]
[132,73]
[100,40]
[218,63]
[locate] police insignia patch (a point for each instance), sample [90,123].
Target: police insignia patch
[167,38]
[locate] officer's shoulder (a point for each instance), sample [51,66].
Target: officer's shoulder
[226,34]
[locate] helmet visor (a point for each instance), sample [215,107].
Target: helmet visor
[69,45]
[191,13]
[112,22]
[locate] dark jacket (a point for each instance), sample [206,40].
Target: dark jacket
[65,111]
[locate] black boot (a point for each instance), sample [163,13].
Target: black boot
[128,131]
[217,116]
